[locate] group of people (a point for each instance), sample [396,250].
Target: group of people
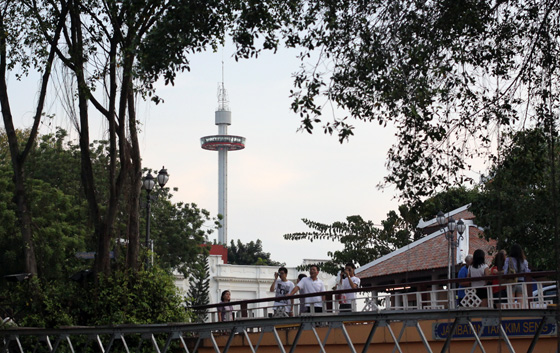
[283,288]
[475,266]
[503,263]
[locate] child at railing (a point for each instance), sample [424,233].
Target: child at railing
[463,272]
[225,313]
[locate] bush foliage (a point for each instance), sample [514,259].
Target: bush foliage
[121,298]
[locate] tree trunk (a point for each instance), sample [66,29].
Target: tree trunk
[18,158]
[20,197]
[133,231]
[101,264]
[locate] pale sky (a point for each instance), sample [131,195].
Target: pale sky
[280,177]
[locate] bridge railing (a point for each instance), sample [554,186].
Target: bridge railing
[399,312]
[536,292]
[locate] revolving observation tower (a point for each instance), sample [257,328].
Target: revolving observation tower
[222,143]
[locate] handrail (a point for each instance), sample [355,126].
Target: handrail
[195,327]
[407,307]
[189,337]
[380,288]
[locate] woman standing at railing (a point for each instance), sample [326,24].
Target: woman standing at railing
[498,291]
[479,269]
[516,263]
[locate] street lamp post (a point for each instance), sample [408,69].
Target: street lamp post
[441,221]
[451,243]
[461,227]
[148,184]
[449,230]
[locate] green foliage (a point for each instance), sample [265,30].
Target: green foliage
[178,230]
[11,246]
[59,216]
[62,228]
[445,201]
[42,303]
[249,254]
[137,298]
[515,204]
[365,241]
[56,161]
[122,298]
[447,75]
[26,45]
[199,290]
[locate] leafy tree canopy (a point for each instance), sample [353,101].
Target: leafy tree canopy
[365,241]
[250,253]
[515,203]
[448,75]
[60,218]
[178,230]
[62,229]
[111,54]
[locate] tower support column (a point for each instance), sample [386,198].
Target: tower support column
[222,194]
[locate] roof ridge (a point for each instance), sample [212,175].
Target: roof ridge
[424,224]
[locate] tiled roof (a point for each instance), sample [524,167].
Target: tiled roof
[425,254]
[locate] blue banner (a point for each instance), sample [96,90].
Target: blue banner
[525,327]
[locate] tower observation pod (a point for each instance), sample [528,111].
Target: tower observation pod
[222,143]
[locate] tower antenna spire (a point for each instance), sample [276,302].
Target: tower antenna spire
[223,102]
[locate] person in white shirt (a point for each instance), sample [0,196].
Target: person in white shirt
[311,284]
[282,287]
[348,280]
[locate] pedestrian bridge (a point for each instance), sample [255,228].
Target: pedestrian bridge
[384,319]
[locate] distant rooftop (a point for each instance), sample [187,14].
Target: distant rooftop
[428,253]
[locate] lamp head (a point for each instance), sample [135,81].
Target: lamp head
[440,218]
[451,225]
[162,177]
[461,227]
[148,182]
